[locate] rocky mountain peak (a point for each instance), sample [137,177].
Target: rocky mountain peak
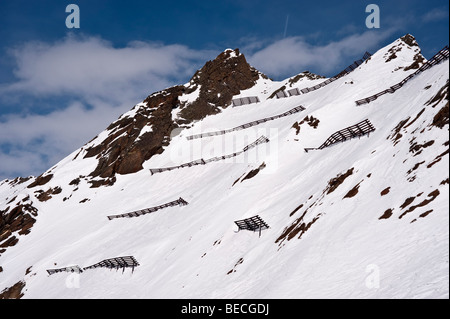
[217,82]
[409,40]
[406,42]
[136,136]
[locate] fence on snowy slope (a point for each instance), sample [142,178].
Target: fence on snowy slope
[112,263]
[245,100]
[357,130]
[349,69]
[73,269]
[260,140]
[247,125]
[178,202]
[437,58]
[116,263]
[253,224]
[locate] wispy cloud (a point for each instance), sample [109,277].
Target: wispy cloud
[32,143]
[92,67]
[281,57]
[93,82]
[435,14]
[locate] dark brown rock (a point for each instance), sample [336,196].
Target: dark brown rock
[311,121]
[254,172]
[409,40]
[19,219]
[103,182]
[351,193]
[419,60]
[334,183]
[396,132]
[122,152]
[45,196]
[442,117]
[385,191]
[439,96]
[14,292]
[431,197]
[41,180]
[19,180]
[387,214]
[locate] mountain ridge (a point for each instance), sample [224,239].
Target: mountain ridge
[324,199]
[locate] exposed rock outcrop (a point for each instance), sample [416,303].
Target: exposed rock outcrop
[126,148]
[16,222]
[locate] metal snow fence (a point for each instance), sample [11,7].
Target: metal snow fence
[281,95]
[72,269]
[360,129]
[260,140]
[253,224]
[116,263]
[294,92]
[247,125]
[178,202]
[245,101]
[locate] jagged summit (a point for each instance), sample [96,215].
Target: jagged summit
[409,44]
[213,86]
[232,53]
[410,40]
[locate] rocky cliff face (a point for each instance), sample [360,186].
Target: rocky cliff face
[17,218]
[217,82]
[129,144]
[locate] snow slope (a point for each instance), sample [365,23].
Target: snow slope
[344,251]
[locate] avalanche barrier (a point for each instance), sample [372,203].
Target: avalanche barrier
[245,100]
[260,140]
[116,263]
[247,125]
[357,130]
[72,269]
[112,263]
[253,224]
[178,202]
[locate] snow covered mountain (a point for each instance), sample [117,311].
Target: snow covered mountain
[364,217]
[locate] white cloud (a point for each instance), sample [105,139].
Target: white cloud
[36,142]
[295,53]
[92,67]
[96,82]
[19,163]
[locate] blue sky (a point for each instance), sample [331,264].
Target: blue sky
[60,87]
